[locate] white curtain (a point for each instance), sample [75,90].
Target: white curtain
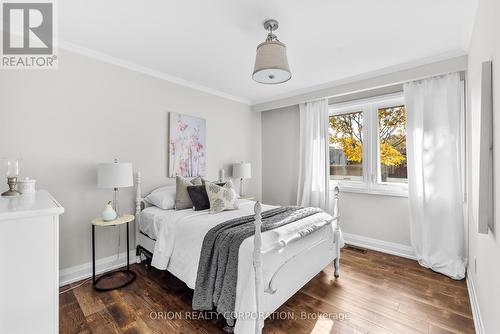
[435,151]
[314,173]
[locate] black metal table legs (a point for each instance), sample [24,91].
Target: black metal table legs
[127,271]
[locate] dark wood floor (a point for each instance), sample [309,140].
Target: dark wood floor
[376,293]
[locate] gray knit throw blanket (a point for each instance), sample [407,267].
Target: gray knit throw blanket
[218,267]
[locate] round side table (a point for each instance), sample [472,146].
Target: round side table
[125,219]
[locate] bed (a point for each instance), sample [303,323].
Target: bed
[272,265]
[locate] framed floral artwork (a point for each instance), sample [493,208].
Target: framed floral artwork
[187,146]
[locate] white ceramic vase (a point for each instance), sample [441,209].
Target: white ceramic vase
[109,213]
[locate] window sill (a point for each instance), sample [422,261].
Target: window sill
[393,191]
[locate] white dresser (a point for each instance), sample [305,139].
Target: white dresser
[29,274]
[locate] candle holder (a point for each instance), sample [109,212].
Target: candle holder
[12,192]
[11,169]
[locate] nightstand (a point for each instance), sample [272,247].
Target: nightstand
[125,219]
[248,197]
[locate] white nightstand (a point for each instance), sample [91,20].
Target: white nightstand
[124,219]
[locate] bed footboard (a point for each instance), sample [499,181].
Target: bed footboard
[257,265]
[336,262]
[273,284]
[257,256]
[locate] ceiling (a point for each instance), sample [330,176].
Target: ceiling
[211,44]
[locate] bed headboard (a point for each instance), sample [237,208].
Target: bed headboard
[139,201]
[139,205]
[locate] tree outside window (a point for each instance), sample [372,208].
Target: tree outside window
[346,145]
[392,141]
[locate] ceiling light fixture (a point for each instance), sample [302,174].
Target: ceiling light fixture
[271,63]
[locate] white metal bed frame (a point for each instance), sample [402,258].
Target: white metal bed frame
[257,252]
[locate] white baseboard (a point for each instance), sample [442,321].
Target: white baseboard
[476,315]
[380,245]
[82,271]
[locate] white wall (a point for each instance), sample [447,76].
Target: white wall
[485,45]
[66,121]
[374,216]
[280,155]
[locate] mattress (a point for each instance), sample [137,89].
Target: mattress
[179,235]
[151,219]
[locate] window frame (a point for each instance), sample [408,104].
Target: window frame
[371,181]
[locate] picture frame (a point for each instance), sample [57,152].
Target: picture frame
[186,146]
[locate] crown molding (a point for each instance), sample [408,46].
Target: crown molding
[146,70]
[450,61]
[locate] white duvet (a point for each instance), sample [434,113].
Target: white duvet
[179,237]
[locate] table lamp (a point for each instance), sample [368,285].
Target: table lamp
[242,170]
[115,175]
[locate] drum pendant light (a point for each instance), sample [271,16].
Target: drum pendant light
[271,63]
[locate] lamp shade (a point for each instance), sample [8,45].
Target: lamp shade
[271,63]
[115,175]
[242,170]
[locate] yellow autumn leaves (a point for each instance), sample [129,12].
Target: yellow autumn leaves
[352,148]
[346,132]
[389,156]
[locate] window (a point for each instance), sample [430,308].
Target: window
[346,146]
[392,144]
[368,145]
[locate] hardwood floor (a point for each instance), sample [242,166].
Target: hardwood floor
[376,293]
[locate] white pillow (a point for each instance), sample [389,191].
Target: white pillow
[221,198]
[163,188]
[163,197]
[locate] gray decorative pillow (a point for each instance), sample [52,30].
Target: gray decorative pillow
[221,198]
[182,199]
